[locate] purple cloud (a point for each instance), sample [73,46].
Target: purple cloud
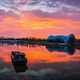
[9,13]
[63,14]
[67,9]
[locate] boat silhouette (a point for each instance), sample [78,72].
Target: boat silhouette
[19,61]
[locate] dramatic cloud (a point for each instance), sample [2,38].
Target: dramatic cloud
[28,16]
[49,6]
[63,8]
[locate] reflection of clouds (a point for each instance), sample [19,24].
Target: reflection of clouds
[62,56]
[47,74]
[76,57]
[71,75]
[44,74]
[4,70]
[1,59]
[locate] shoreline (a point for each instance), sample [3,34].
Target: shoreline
[36,42]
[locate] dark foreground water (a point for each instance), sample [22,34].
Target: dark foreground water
[44,63]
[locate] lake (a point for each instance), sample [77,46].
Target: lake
[43,63]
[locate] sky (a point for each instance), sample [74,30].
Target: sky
[39,18]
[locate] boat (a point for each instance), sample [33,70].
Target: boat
[18,57]
[19,61]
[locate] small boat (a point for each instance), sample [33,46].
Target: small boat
[19,61]
[18,57]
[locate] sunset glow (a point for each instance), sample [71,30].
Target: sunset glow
[40,55]
[39,39]
[28,18]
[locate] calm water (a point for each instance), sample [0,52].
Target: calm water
[44,63]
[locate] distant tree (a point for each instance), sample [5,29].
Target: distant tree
[71,40]
[51,40]
[59,40]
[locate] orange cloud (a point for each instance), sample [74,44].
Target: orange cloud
[33,23]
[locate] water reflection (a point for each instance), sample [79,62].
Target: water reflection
[20,67]
[44,62]
[39,55]
[67,49]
